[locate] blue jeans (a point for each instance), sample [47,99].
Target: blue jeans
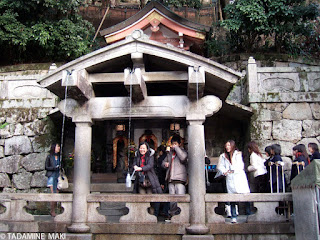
[233,209]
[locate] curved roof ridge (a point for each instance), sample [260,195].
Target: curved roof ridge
[161,8]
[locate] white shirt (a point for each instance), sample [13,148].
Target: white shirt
[257,165]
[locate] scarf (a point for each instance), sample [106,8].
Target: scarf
[143,160]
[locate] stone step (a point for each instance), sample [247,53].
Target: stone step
[104,188]
[104,178]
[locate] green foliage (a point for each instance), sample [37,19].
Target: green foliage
[284,23]
[181,3]
[2,126]
[217,46]
[43,30]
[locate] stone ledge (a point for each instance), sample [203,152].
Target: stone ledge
[248,197]
[154,228]
[252,228]
[284,97]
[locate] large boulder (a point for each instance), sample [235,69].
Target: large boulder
[4,180]
[22,179]
[261,130]
[268,115]
[17,145]
[41,143]
[34,161]
[10,164]
[18,130]
[298,111]
[311,128]
[287,130]
[5,132]
[315,108]
[37,127]
[39,179]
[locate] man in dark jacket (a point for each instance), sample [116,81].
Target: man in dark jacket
[176,176]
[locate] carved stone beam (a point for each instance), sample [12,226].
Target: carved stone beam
[205,107]
[79,87]
[134,83]
[196,82]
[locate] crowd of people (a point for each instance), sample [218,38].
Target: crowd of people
[171,174]
[166,171]
[268,173]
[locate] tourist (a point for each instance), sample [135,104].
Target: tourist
[176,176]
[314,150]
[52,166]
[146,181]
[301,160]
[161,172]
[231,165]
[257,167]
[277,181]
[267,164]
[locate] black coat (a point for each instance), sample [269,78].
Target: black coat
[276,158]
[162,171]
[294,169]
[148,169]
[51,165]
[315,155]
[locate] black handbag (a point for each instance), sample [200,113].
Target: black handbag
[144,181]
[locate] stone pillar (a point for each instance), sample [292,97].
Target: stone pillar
[196,170]
[81,179]
[252,75]
[306,198]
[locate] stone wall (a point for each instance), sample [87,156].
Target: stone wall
[25,131]
[286,105]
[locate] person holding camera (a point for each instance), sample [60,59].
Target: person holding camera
[176,175]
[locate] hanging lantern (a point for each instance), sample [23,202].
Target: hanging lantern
[120,127]
[174,126]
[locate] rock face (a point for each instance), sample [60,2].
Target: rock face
[22,179]
[315,107]
[4,180]
[25,136]
[298,111]
[34,162]
[39,179]
[17,145]
[10,164]
[287,130]
[311,128]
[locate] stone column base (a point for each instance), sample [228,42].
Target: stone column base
[77,236]
[197,237]
[198,229]
[78,228]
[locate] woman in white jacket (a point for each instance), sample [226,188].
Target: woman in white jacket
[258,168]
[231,165]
